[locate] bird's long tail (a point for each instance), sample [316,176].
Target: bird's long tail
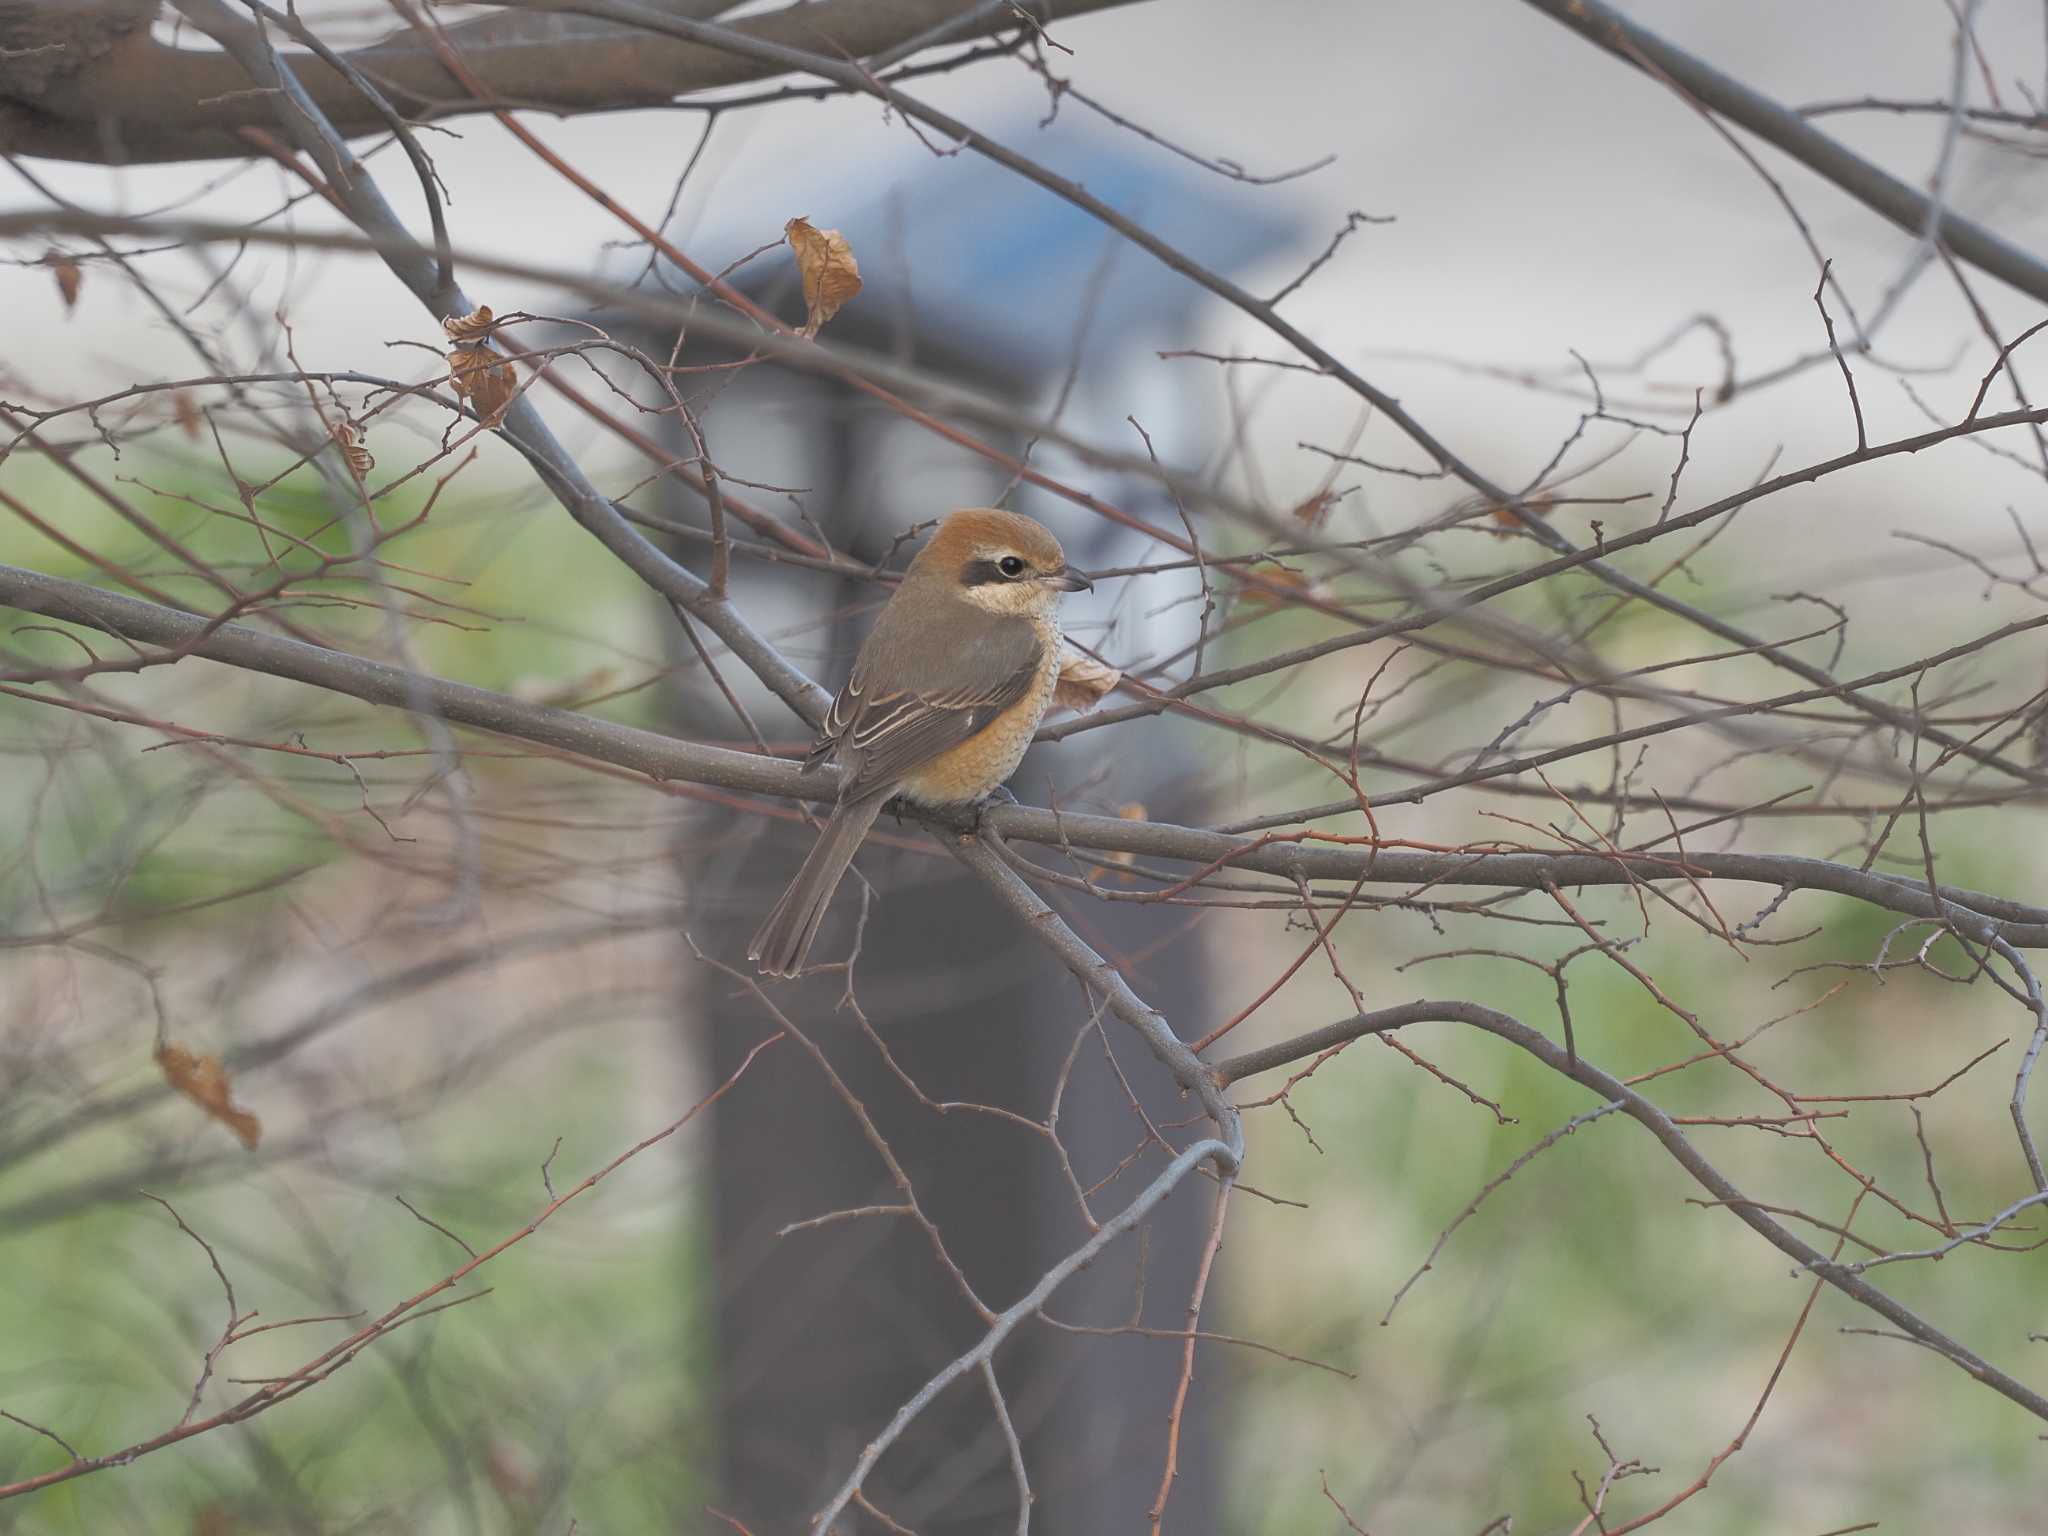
[785,938]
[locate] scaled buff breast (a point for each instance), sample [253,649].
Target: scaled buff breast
[991,755]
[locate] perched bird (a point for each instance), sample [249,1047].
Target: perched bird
[945,696]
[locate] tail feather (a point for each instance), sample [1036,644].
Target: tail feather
[784,940]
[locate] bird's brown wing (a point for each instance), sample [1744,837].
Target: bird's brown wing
[881,734]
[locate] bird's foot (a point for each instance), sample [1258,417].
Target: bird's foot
[999,796]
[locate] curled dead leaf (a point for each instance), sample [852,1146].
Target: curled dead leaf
[470,326]
[1511,519]
[831,275]
[1274,585]
[350,437]
[204,1081]
[484,379]
[1314,511]
[187,413]
[68,274]
[1083,680]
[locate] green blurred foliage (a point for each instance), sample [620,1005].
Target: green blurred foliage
[1594,1285]
[576,1387]
[571,1386]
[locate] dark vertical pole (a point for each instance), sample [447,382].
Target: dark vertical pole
[822,1333]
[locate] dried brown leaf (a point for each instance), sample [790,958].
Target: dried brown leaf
[1315,511]
[831,275]
[69,275]
[204,1081]
[484,379]
[1512,519]
[350,437]
[1083,680]
[469,327]
[187,413]
[1262,593]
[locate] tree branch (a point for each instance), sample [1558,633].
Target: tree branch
[1878,190]
[1843,1277]
[521,424]
[1305,856]
[853,77]
[114,95]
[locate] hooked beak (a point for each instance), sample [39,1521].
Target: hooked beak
[1068,581]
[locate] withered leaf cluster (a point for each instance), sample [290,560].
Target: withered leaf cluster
[476,373]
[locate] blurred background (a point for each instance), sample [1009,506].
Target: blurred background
[657,1348]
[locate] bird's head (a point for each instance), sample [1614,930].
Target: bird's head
[1000,561]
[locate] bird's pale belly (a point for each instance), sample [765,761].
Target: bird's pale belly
[979,764]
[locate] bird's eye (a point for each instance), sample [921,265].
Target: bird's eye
[1010,565]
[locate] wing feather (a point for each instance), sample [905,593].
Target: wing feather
[879,735]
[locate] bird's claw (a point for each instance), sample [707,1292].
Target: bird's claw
[999,796]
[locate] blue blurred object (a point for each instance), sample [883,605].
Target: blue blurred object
[970,267]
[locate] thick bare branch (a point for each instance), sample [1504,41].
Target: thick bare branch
[1303,856]
[91,84]
[1876,189]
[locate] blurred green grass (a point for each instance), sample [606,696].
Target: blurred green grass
[1588,1285]
[574,1388]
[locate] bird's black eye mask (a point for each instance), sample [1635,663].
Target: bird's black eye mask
[979,573]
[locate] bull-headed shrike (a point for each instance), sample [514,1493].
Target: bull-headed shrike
[945,696]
